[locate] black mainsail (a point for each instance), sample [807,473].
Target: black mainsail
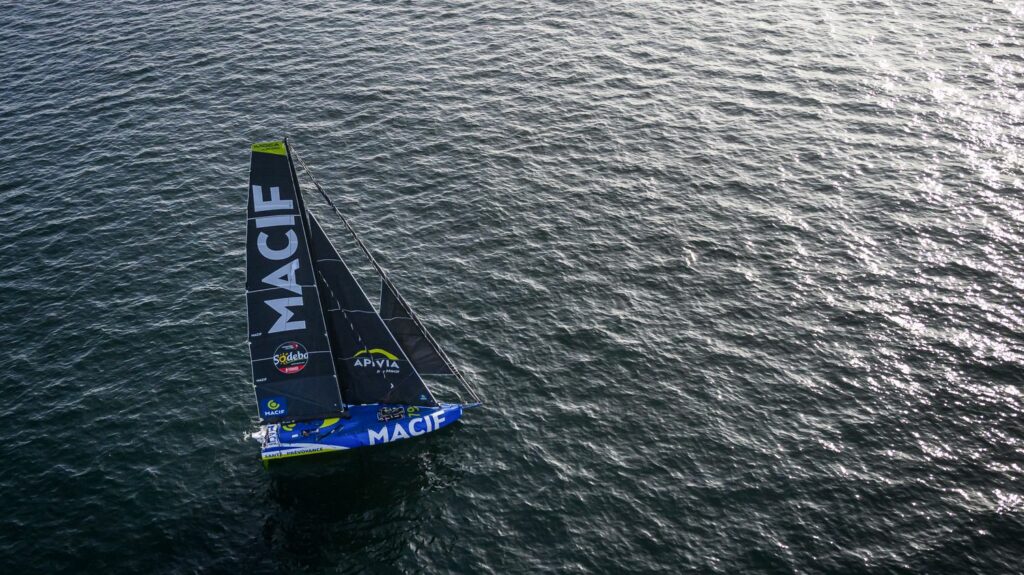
[292,361]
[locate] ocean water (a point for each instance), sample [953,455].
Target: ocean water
[739,281]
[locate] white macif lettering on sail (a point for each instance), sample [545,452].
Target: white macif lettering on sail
[281,306]
[285,252]
[274,221]
[274,203]
[284,277]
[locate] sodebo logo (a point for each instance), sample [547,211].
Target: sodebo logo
[290,357]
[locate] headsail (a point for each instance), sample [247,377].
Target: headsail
[292,364]
[415,342]
[372,365]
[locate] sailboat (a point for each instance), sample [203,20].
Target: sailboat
[331,372]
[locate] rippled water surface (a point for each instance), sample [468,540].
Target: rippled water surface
[740,282]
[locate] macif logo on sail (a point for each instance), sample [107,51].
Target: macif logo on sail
[274,406]
[285,276]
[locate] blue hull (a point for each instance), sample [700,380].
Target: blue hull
[369,425]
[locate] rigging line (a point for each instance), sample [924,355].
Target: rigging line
[433,343]
[384,277]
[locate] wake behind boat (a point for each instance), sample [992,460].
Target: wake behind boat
[331,372]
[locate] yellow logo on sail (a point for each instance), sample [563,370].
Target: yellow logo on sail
[377,351]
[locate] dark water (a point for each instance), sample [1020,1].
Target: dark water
[740,282]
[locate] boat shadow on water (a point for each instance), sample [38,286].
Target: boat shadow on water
[323,510]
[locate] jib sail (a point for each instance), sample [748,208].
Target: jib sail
[292,365]
[372,366]
[415,342]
